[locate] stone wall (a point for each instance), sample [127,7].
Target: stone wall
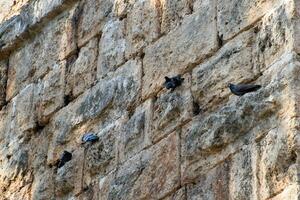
[68,67]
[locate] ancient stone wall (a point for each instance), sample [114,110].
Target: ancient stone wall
[68,67]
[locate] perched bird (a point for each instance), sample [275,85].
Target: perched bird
[172,83]
[66,157]
[89,137]
[242,89]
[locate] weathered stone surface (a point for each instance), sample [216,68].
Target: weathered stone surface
[171,110]
[120,91]
[52,88]
[93,15]
[157,169]
[24,115]
[210,79]
[241,175]
[40,55]
[275,33]
[135,133]
[43,186]
[81,74]
[178,51]
[291,192]
[3,81]
[101,157]
[30,19]
[209,135]
[143,25]
[112,47]
[69,176]
[235,16]
[173,12]
[276,166]
[70,67]
[212,184]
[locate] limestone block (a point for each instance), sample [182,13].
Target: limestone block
[171,110]
[20,70]
[235,16]
[241,174]
[105,184]
[176,52]
[209,135]
[51,95]
[69,176]
[81,74]
[94,14]
[43,185]
[134,134]
[40,55]
[43,8]
[143,25]
[101,157]
[173,12]
[24,116]
[211,185]
[55,43]
[110,96]
[233,63]
[112,47]
[3,81]
[275,35]
[156,169]
[276,162]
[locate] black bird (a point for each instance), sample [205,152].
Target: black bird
[66,157]
[89,137]
[172,83]
[242,89]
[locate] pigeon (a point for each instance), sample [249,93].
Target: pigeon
[66,157]
[89,137]
[242,89]
[172,83]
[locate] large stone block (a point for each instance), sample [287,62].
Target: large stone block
[275,35]
[92,17]
[51,93]
[209,135]
[112,47]
[211,185]
[40,55]
[277,167]
[134,134]
[173,12]
[233,63]
[236,16]
[19,71]
[101,157]
[43,185]
[182,48]
[171,110]
[156,170]
[81,73]
[69,177]
[24,115]
[111,97]
[143,25]
[241,172]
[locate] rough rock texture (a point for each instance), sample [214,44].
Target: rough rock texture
[68,67]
